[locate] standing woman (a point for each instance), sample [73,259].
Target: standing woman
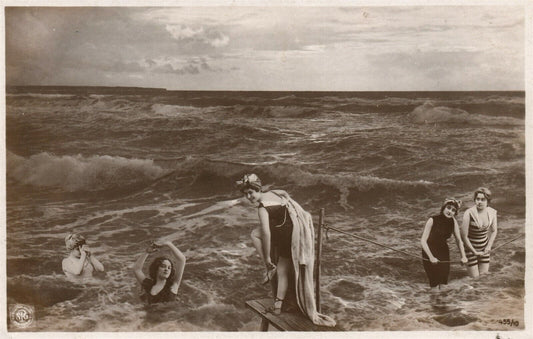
[273,237]
[285,242]
[164,278]
[478,220]
[435,249]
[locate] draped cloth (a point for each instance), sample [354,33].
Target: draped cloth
[303,259]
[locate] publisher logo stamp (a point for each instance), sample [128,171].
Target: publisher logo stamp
[21,316]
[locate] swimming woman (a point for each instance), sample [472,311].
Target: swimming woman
[164,278]
[80,263]
[285,242]
[435,249]
[478,221]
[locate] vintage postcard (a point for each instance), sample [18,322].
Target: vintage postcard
[231,168]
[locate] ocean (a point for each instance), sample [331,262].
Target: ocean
[125,165]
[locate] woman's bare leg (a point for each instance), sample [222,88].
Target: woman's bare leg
[257,242]
[283,277]
[473,271]
[483,268]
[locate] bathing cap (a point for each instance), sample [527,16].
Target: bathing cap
[74,240]
[249,180]
[452,201]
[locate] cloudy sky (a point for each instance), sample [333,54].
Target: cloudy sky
[268,48]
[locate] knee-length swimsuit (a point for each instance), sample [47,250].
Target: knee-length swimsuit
[280,225]
[479,237]
[441,230]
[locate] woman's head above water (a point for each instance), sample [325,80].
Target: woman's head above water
[482,197]
[162,268]
[74,241]
[450,207]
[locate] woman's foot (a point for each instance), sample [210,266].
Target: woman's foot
[276,308]
[265,279]
[268,276]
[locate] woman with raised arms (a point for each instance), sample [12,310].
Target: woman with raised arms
[164,277]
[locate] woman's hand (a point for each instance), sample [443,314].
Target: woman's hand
[153,247]
[433,260]
[86,249]
[464,260]
[269,265]
[486,251]
[161,243]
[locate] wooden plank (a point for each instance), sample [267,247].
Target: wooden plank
[264,324]
[285,321]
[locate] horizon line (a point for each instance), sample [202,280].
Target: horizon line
[240,90]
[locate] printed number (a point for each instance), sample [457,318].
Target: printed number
[509,322]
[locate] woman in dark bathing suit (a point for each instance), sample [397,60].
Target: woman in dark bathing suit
[273,238]
[434,246]
[164,278]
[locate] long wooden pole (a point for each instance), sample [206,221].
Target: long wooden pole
[318,255]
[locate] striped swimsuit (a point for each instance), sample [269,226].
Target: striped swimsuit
[479,238]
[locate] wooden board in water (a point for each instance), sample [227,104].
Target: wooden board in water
[285,321]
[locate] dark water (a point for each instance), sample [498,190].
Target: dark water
[124,166]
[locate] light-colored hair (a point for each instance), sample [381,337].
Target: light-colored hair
[485,191]
[74,240]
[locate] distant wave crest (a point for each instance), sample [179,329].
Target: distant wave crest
[428,113]
[218,177]
[174,110]
[79,173]
[276,111]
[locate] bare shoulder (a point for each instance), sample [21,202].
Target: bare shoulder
[67,262]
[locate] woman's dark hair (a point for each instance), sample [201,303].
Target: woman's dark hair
[248,186]
[451,204]
[155,265]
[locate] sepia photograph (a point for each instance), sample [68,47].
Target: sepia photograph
[265,166]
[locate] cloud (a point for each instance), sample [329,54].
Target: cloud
[303,46]
[167,65]
[150,62]
[180,32]
[209,36]
[220,41]
[169,69]
[122,67]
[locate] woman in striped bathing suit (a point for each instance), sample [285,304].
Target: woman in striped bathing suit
[478,222]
